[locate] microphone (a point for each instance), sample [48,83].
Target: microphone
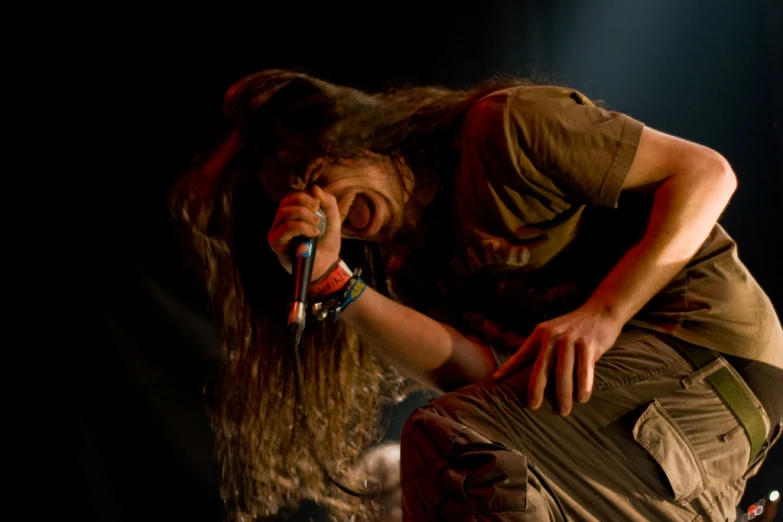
[304,253]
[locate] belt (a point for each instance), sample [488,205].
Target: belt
[734,392]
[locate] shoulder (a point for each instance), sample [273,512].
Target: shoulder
[555,138]
[532,100]
[522,112]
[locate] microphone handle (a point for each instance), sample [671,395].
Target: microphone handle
[305,253]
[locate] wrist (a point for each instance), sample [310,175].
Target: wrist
[601,305]
[323,264]
[334,279]
[335,303]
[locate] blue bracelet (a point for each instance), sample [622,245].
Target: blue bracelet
[355,289]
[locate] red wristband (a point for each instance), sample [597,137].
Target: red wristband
[332,282]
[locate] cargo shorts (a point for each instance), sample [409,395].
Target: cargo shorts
[654,442]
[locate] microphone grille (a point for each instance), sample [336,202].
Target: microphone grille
[321,222]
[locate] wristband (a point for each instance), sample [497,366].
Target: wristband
[333,281]
[337,304]
[355,289]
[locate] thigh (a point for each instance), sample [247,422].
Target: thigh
[450,471]
[643,448]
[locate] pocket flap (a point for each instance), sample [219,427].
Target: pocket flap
[663,439]
[455,471]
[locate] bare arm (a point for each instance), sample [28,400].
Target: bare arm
[421,348]
[691,186]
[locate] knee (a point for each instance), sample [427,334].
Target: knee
[427,435]
[448,469]
[415,444]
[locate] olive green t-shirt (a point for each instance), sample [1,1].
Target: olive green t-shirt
[540,218]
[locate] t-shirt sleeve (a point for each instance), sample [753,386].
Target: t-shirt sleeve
[556,142]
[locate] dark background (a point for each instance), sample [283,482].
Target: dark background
[708,71]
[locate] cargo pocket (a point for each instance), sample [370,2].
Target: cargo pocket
[451,471]
[659,434]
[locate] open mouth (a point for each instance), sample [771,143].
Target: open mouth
[362,217]
[360,212]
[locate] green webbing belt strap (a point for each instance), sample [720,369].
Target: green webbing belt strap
[736,397]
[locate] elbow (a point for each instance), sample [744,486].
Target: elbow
[709,173]
[452,376]
[725,178]
[470,362]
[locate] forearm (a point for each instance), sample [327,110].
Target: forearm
[685,209]
[421,348]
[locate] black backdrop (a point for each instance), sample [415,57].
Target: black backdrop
[706,71]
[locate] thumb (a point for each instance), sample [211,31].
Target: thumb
[526,353]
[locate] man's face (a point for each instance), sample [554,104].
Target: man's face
[370,195]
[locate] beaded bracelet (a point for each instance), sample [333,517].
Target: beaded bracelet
[336,304]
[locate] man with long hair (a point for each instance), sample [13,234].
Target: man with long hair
[554,268]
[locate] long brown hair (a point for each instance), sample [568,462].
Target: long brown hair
[278,123]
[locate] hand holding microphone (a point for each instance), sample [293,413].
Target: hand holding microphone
[304,249]
[293,238]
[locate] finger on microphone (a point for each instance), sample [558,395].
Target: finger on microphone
[295,213]
[301,199]
[330,208]
[297,229]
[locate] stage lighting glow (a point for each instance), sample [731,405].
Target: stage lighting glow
[773,496]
